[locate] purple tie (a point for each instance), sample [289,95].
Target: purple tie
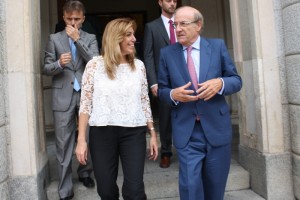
[191,67]
[172,34]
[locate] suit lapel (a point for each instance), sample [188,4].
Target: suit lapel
[64,39]
[181,62]
[205,55]
[78,57]
[162,30]
[77,52]
[65,43]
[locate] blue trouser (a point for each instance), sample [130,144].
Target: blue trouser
[203,169]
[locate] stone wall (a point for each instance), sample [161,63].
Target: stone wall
[264,112]
[291,24]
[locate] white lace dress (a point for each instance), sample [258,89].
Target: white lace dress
[123,101]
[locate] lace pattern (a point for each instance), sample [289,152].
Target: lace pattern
[123,101]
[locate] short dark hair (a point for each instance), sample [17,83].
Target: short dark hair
[73,5]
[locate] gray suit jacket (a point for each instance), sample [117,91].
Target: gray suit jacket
[155,38]
[63,78]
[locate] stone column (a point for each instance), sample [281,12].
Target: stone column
[4,192]
[27,156]
[264,138]
[291,25]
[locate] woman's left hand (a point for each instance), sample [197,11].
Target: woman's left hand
[81,152]
[153,147]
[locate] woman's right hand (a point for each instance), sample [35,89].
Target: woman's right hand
[81,152]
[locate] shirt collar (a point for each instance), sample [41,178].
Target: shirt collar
[195,45]
[166,20]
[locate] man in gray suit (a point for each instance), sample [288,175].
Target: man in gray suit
[66,55]
[158,34]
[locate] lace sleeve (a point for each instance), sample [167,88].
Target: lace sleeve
[87,87]
[145,97]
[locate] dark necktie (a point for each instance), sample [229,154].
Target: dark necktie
[172,34]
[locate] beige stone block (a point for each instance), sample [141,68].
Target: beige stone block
[293,74]
[297,186]
[2,100]
[291,24]
[286,3]
[3,155]
[4,192]
[295,128]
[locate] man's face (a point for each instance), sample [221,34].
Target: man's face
[187,29]
[168,6]
[74,17]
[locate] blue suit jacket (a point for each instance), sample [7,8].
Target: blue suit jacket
[214,114]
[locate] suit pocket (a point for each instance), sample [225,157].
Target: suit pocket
[224,110]
[58,85]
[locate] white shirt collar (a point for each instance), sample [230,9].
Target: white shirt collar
[195,45]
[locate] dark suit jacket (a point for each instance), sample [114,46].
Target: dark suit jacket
[63,78]
[155,38]
[215,113]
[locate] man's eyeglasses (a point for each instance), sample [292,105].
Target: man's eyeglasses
[183,24]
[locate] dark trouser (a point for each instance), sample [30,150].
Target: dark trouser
[107,145]
[165,130]
[65,135]
[203,169]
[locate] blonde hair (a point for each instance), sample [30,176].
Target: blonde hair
[114,34]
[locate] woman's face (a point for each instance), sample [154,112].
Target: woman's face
[127,45]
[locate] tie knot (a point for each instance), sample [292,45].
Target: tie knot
[189,49]
[171,22]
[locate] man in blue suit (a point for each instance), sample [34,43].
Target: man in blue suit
[195,75]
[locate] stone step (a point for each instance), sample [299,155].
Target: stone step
[159,183]
[242,195]
[153,192]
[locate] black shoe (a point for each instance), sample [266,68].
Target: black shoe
[87,182]
[67,198]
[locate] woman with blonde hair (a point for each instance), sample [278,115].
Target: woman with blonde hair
[115,104]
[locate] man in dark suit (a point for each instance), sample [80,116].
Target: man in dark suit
[66,55]
[195,76]
[159,34]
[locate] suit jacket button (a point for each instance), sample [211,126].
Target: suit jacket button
[72,83]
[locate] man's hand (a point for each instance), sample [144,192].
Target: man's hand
[73,32]
[154,90]
[209,88]
[65,58]
[182,94]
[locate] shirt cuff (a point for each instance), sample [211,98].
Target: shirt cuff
[153,85]
[223,86]
[175,102]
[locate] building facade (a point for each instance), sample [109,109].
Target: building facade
[264,39]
